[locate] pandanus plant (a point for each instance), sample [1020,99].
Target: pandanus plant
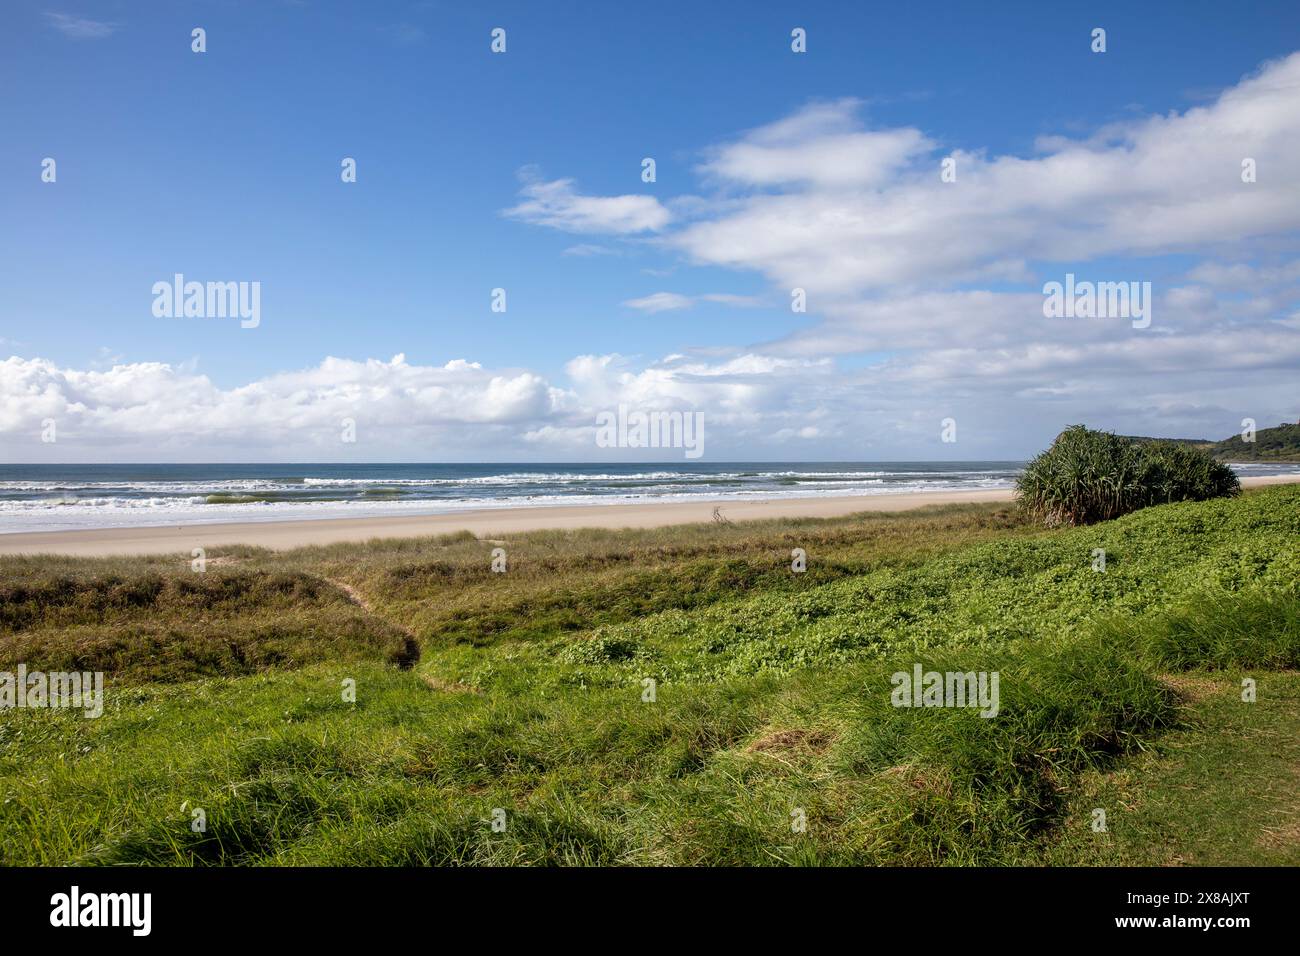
[1089,476]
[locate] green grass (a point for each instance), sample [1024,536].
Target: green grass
[771,698]
[157,626]
[1221,790]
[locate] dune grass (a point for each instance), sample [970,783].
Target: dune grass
[768,736]
[178,626]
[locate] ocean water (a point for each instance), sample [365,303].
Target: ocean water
[68,497]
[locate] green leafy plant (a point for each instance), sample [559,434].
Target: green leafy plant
[1089,476]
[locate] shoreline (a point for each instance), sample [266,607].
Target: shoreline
[488,522]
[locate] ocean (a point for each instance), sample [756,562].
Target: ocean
[70,497]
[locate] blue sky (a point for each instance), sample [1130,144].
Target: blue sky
[225,166]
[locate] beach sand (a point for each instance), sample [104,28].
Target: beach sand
[485,523]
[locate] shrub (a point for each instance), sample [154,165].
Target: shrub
[1089,476]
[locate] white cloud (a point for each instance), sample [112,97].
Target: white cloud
[559,205]
[865,210]
[674,301]
[153,410]
[586,249]
[726,298]
[939,284]
[660,302]
[1009,399]
[150,400]
[80,28]
[820,146]
[1241,276]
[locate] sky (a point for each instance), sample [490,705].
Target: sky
[522,170]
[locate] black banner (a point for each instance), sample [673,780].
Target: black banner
[331,905]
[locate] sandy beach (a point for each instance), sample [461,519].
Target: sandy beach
[279,535]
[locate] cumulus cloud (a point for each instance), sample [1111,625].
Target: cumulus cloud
[149,401]
[459,409]
[755,403]
[866,210]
